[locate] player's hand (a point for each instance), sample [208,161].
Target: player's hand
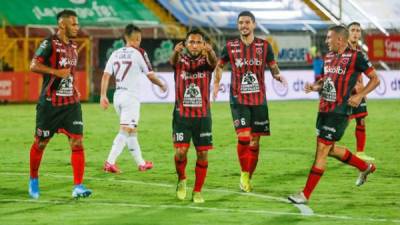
[281,79]
[355,100]
[179,47]
[215,91]
[207,47]
[63,73]
[163,88]
[104,103]
[308,87]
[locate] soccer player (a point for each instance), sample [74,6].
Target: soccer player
[191,116]
[342,66]
[58,109]
[360,112]
[249,56]
[127,64]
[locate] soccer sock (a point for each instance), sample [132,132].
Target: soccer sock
[312,181]
[117,147]
[353,160]
[201,172]
[253,158]
[35,159]
[78,163]
[242,151]
[134,149]
[360,137]
[180,168]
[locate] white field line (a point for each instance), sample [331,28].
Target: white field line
[304,209]
[226,210]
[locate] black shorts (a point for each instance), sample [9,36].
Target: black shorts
[198,129]
[58,119]
[254,118]
[331,127]
[359,111]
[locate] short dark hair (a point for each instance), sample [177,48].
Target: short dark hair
[353,23]
[66,13]
[130,28]
[341,30]
[247,13]
[195,31]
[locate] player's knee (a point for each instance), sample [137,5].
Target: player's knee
[360,121]
[244,139]
[75,143]
[255,141]
[181,152]
[202,155]
[41,144]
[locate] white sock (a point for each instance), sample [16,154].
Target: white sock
[134,149]
[117,147]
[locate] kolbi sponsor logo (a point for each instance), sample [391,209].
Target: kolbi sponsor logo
[239,62]
[199,75]
[335,70]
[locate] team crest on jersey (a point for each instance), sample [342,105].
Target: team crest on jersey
[344,61]
[66,88]
[249,83]
[259,51]
[192,96]
[328,92]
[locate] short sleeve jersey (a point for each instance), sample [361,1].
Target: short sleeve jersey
[340,74]
[192,86]
[56,54]
[248,66]
[127,64]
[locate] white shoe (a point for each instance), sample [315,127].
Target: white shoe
[298,198]
[181,189]
[362,178]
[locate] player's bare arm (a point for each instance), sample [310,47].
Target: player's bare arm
[104,102]
[154,79]
[38,67]
[217,78]
[276,73]
[177,52]
[373,82]
[316,86]
[211,56]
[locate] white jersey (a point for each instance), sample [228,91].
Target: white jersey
[127,64]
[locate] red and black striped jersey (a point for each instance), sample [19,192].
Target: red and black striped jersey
[54,53]
[340,74]
[192,86]
[248,64]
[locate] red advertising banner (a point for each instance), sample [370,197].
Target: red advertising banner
[26,86]
[383,48]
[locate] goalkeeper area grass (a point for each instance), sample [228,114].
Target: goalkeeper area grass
[134,197]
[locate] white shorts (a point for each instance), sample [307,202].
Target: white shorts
[128,109]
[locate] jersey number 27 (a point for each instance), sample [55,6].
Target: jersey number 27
[117,65]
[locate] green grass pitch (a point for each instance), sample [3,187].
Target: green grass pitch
[149,198]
